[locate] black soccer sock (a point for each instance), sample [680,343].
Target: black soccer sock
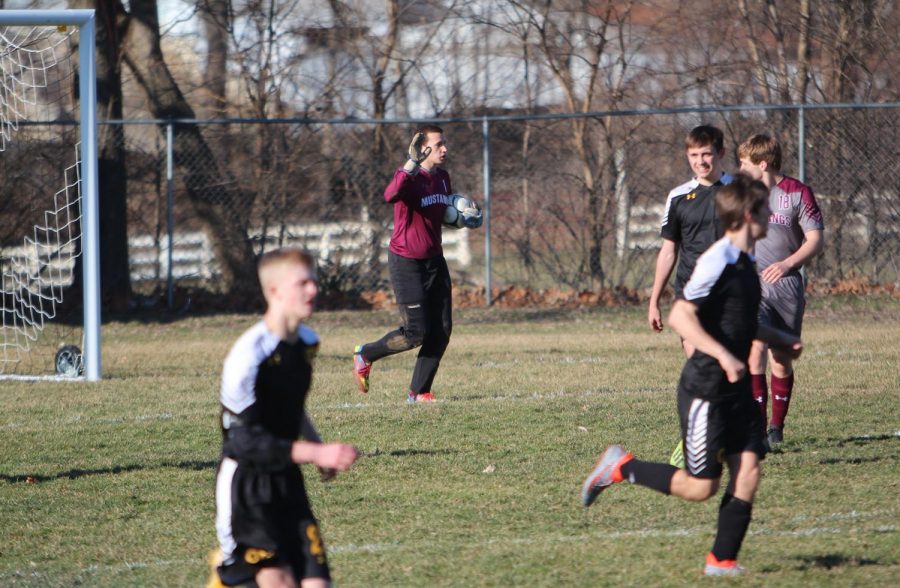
[734,518]
[657,476]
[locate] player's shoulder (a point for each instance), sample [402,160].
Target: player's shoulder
[308,335]
[242,364]
[253,346]
[709,268]
[683,189]
[792,185]
[721,253]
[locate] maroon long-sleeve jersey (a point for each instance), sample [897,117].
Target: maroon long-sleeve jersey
[419,204]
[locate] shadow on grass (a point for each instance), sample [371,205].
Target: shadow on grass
[864,439]
[835,560]
[406,452]
[78,473]
[856,460]
[799,446]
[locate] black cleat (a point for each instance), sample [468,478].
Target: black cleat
[775,437]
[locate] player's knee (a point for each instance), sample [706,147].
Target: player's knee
[416,325]
[757,359]
[781,362]
[749,477]
[700,489]
[414,338]
[280,577]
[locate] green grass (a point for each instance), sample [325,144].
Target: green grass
[478,489]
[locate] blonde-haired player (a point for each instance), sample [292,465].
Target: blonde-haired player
[795,236]
[266,530]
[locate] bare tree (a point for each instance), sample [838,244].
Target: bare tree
[115,283]
[220,204]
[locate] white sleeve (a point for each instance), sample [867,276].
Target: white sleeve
[707,272]
[238,389]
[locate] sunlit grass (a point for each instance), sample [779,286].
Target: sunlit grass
[111,484]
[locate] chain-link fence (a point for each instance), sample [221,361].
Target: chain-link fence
[574,202]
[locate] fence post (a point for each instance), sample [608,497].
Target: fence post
[801,148]
[170,218]
[486,139]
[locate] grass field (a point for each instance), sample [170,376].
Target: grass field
[111,484]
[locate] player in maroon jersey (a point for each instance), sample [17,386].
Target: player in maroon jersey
[420,192]
[794,237]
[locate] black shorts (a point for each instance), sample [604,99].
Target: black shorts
[419,280]
[714,429]
[263,519]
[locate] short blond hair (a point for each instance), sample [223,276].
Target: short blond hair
[273,260]
[759,148]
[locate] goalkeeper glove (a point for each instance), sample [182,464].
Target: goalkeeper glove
[417,154]
[472,217]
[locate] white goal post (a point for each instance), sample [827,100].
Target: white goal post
[23,285]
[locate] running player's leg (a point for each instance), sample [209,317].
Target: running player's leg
[736,508]
[703,437]
[408,280]
[744,449]
[439,317]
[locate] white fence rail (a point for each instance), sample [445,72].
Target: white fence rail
[340,243]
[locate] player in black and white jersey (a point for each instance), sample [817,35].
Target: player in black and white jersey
[795,236]
[689,224]
[266,530]
[720,422]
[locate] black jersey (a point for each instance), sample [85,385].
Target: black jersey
[725,287]
[691,221]
[264,386]
[263,517]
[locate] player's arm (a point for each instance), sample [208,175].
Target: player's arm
[780,341]
[685,320]
[399,186]
[812,246]
[665,262]
[249,442]
[329,457]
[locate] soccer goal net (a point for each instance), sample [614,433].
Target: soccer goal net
[48,210]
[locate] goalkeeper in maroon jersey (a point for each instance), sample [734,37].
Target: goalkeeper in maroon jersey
[794,237]
[420,192]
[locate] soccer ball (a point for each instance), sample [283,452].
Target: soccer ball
[462,212]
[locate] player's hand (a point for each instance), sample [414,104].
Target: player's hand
[654,317]
[792,351]
[417,153]
[774,272]
[335,456]
[734,368]
[472,217]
